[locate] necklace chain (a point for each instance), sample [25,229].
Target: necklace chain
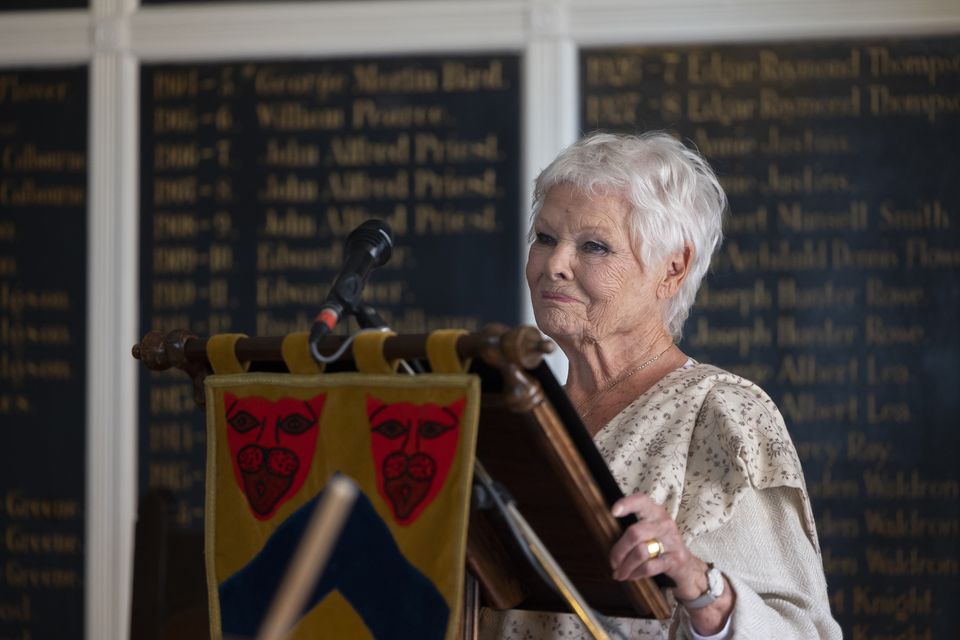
[585,407]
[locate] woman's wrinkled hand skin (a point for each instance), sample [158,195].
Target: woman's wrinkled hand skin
[630,560]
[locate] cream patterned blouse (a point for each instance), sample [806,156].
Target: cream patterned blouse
[713,449]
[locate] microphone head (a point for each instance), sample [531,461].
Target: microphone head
[375,237]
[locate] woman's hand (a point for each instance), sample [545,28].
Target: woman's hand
[630,559]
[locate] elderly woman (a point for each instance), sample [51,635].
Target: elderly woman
[623,231]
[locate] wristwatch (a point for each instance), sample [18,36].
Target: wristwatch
[714,589]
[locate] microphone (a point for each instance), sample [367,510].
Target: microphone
[367,247]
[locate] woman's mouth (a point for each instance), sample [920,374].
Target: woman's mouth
[556,296]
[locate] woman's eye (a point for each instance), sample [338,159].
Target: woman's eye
[595,248]
[542,238]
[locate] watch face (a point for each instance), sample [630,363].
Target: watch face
[715,582]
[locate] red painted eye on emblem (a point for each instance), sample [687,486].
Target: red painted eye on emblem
[294,423]
[392,429]
[431,429]
[243,422]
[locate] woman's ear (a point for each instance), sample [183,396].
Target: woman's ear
[677,268]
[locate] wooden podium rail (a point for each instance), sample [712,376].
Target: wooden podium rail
[508,350]
[530,440]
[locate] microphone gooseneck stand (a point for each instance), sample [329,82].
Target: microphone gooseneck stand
[367,247]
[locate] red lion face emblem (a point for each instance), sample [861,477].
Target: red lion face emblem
[272,446]
[413,448]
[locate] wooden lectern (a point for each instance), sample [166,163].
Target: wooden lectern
[531,442]
[534,444]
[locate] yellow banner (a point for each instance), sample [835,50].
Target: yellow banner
[275,440]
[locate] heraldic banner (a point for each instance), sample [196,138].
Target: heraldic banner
[276,439]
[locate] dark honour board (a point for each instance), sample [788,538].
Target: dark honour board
[252,175]
[30,5]
[43,309]
[836,289]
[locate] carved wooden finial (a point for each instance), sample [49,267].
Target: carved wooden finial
[512,351]
[160,352]
[151,353]
[175,346]
[525,346]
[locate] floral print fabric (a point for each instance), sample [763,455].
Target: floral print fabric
[696,442]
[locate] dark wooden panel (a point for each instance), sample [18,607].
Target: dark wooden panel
[837,287]
[252,174]
[43,323]
[25,5]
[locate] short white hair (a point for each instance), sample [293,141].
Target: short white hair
[674,196]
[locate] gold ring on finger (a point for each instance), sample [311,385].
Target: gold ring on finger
[654,548]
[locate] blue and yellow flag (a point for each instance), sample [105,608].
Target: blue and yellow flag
[275,440]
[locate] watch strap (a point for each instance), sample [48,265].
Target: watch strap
[708,596]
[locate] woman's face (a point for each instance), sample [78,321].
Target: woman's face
[586,281]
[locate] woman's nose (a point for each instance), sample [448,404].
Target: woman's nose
[558,264]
